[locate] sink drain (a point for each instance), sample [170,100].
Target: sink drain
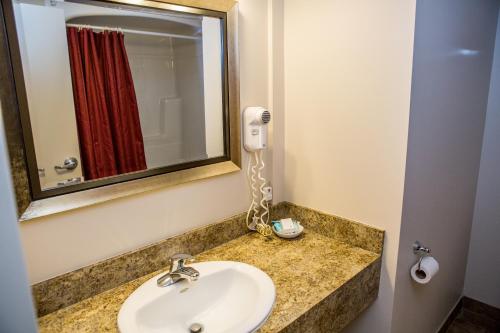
[196,328]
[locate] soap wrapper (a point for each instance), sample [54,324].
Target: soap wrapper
[294,230]
[287,225]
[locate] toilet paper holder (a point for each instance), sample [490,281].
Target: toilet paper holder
[420,251]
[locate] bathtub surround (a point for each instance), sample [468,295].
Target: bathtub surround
[345,276]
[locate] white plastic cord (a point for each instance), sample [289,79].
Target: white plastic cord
[253,189]
[263,201]
[253,221]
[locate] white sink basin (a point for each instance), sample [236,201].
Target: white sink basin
[229,296]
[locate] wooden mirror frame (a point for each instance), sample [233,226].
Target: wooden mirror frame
[32,202]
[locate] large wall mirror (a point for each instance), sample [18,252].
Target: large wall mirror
[114,91]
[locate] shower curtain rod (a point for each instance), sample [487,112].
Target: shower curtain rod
[139,32]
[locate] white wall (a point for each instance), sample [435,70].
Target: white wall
[347,101]
[16,305]
[188,62]
[454,41]
[483,267]
[66,241]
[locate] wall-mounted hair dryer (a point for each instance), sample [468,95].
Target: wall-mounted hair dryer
[255,121]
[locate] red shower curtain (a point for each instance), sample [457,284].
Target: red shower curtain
[106,108]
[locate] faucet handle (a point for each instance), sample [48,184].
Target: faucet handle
[179,260]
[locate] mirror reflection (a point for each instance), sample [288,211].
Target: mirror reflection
[113,90]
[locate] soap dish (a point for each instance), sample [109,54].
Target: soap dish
[289,235]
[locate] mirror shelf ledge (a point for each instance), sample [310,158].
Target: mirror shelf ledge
[76,200]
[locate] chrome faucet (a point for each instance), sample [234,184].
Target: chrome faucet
[178,271]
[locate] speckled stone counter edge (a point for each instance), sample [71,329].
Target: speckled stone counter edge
[70,288]
[347,302]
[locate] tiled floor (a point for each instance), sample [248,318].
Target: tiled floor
[475,317]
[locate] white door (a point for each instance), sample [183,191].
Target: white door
[47,74]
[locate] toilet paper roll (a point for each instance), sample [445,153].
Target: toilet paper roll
[428,269]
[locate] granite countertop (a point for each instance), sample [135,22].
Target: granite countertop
[310,271]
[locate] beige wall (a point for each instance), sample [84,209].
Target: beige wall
[63,242]
[347,101]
